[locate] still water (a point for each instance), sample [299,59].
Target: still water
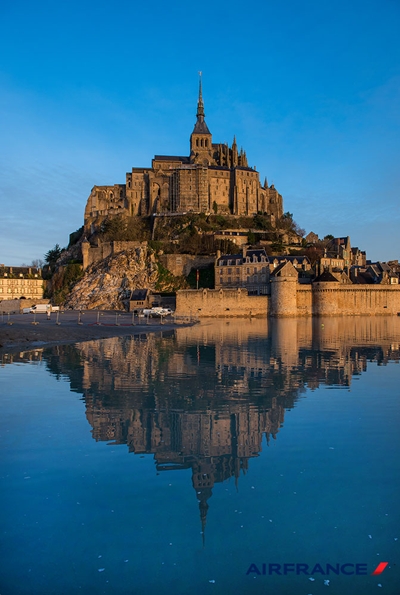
[204,461]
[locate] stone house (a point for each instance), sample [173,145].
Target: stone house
[143,298]
[20,282]
[373,273]
[249,270]
[301,263]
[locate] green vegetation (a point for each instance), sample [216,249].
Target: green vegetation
[287,223]
[125,229]
[206,278]
[167,281]
[75,236]
[53,255]
[63,281]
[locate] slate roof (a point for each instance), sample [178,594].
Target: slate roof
[171,158]
[20,271]
[139,295]
[238,259]
[326,277]
[201,127]
[290,258]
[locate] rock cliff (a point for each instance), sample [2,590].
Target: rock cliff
[108,284]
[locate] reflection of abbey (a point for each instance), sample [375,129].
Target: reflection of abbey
[213,178]
[146,392]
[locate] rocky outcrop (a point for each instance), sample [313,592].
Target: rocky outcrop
[107,285]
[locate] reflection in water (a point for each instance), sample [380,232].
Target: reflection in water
[203,398]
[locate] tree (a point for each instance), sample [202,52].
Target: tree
[53,255]
[37,263]
[287,223]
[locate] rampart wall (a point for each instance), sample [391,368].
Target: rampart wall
[93,254]
[355,300]
[16,306]
[320,299]
[220,303]
[304,300]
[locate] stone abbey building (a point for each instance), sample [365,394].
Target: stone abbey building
[213,178]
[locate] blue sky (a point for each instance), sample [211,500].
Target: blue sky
[310,89]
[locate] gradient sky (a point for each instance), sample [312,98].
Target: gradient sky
[310,89]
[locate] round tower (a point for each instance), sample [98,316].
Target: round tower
[284,290]
[324,295]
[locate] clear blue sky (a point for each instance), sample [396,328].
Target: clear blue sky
[310,89]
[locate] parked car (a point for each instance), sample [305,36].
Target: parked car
[41,308]
[157,312]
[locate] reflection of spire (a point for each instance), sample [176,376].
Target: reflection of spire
[203,495]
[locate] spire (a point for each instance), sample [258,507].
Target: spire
[200,104]
[200,127]
[235,158]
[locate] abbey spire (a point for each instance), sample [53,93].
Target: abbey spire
[200,127]
[201,139]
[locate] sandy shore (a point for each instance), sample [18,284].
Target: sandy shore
[21,332]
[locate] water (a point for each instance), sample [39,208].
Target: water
[181,464]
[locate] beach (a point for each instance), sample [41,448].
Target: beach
[22,332]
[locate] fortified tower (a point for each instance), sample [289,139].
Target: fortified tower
[324,293]
[284,290]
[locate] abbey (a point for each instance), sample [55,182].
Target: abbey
[214,178]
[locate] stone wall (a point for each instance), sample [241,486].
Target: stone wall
[320,299]
[16,306]
[355,300]
[304,300]
[220,303]
[182,264]
[94,254]
[335,299]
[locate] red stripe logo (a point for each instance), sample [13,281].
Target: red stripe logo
[380,568]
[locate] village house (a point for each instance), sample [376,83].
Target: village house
[373,273]
[143,298]
[252,268]
[20,282]
[249,270]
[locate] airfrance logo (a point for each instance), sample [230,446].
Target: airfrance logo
[323,569]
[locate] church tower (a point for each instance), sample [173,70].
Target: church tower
[201,138]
